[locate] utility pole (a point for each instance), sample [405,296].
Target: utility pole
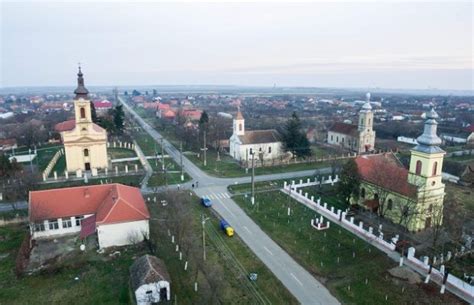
[252,199]
[204,149]
[181,159]
[162,155]
[203,222]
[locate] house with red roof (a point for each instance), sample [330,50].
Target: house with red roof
[116,213]
[102,106]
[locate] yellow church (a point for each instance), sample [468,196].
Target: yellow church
[411,197]
[85,143]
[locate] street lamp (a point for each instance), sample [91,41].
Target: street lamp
[203,222]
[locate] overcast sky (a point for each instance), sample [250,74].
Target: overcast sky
[358,44]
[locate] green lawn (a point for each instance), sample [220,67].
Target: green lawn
[233,287]
[101,278]
[119,153]
[338,258]
[133,180]
[44,156]
[59,167]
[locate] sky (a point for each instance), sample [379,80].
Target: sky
[360,44]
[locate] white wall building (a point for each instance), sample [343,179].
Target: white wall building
[150,280]
[262,144]
[117,213]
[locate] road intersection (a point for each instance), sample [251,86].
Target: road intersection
[305,288]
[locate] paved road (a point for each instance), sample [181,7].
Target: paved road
[305,288]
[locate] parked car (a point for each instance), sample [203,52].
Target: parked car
[229,231]
[206,202]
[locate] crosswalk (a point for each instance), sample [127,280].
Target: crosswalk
[213,196]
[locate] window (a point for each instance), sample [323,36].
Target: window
[86,152]
[390,204]
[337,139]
[362,121]
[240,127]
[418,167]
[376,196]
[369,121]
[39,227]
[269,149]
[83,113]
[342,140]
[67,223]
[260,149]
[362,193]
[53,224]
[435,168]
[79,220]
[332,138]
[430,208]
[251,151]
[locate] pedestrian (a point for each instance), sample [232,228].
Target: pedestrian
[197,183]
[192,185]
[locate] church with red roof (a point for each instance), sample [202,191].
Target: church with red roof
[412,197]
[116,213]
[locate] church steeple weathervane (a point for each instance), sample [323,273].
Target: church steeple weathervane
[81,91]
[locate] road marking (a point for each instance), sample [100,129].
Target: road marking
[228,210]
[299,282]
[226,195]
[268,250]
[210,196]
[247,229]
[219,196]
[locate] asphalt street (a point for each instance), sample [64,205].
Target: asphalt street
[305,288]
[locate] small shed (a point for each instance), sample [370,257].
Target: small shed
[150,280]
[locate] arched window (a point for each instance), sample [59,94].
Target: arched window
[240,127]
[418,167]
[337,139]
[435,168]
[369,121]
[376,196]
[362,121]
[83,113]
[390,204]
[86,152]
[362,193]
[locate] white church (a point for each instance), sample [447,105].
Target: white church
[261,144]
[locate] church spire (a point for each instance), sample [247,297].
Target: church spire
[81,91]
[429,140]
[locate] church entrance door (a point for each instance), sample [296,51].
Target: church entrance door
[87,165]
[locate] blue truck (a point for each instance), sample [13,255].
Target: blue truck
[228,230]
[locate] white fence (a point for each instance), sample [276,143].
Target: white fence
[52,163]
[453,283]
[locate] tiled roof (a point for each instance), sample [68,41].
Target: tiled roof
[385,170]
[146,270]
[65,126]
[71,124]
[344,128]
[260,136]
[111,203]
[102,104]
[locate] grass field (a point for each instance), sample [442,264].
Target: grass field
[233,287]
[338,258]
[133,180]
[102,279]
[119,153]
